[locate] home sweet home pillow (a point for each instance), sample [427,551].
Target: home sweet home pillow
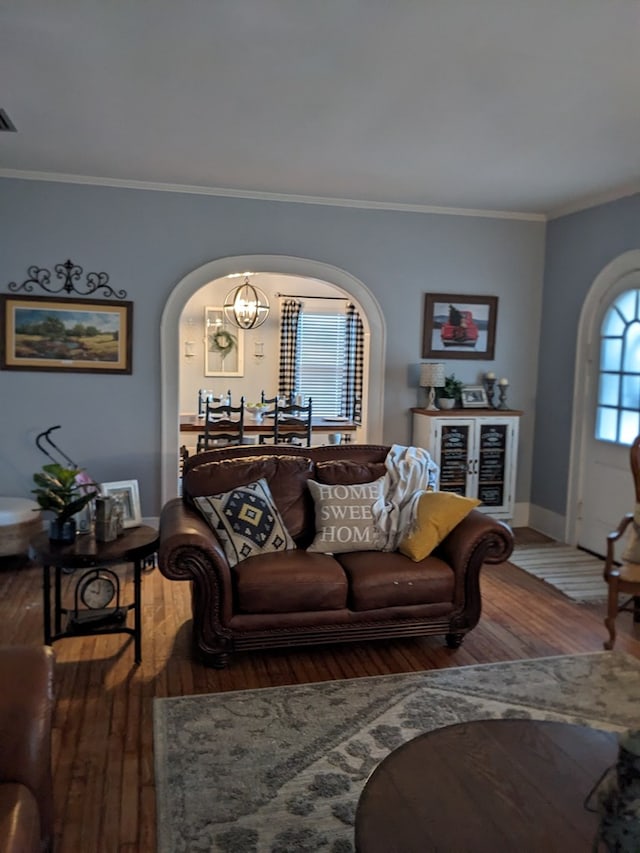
[246,520]
[344,520]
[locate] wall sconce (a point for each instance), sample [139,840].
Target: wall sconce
[246,307]
[258,350]
[189,344]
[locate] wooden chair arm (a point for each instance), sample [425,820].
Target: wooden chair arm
[610,569]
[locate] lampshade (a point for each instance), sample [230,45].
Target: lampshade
[432,375]
[246,307]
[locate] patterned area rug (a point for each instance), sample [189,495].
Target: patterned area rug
[281,769]
[575,573]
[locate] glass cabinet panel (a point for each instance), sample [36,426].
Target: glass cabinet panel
[491,464]
[454,458]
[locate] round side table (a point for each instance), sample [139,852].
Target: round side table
[135,545]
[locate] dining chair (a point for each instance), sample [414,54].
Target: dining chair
[293,424]
[222,425]
[269,419]
[623,576]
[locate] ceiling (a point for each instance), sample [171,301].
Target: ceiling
[530,106]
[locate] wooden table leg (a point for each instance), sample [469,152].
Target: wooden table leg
[46,603]
[137,609]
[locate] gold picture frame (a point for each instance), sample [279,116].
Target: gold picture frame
[65,335]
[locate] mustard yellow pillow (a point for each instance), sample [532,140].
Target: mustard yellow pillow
[437,514]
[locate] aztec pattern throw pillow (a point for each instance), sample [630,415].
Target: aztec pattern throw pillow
[246,521]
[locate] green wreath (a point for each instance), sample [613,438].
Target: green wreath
[222,342]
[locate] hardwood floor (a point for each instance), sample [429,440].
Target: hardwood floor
[103,738]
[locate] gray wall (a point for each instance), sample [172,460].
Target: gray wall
[147,241]
[578,247]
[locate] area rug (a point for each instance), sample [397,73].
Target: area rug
[281,769]
[574,572]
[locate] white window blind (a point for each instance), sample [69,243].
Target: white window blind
[320,361]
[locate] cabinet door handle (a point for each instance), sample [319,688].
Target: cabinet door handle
[475,466]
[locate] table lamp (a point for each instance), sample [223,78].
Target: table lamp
[431,377]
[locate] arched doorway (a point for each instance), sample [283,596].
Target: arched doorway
[600,485]
[169,342]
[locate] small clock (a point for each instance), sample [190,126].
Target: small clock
[96,591]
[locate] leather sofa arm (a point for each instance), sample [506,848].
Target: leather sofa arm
[476,540]
[26,710]
[190,550]
[477,530]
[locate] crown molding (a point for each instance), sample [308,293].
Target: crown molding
[56,177]
[595,200]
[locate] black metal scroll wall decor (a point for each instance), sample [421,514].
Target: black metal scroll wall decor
[61,329]
[68,272]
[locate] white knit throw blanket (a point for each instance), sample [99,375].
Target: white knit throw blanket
[410,473]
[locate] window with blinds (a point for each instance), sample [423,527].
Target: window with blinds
[618,411]
[320,361]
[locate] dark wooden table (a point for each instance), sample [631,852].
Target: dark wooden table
[492,785]
[133,546]
[317,425]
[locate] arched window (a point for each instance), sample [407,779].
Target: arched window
[618,411]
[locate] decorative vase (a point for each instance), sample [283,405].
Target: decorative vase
[446,402]
[62,531]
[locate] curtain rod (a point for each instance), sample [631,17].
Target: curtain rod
[311,296]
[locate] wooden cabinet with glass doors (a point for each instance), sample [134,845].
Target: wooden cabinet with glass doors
[477,454]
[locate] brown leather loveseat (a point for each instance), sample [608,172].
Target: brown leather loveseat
[26,708]
[296,597]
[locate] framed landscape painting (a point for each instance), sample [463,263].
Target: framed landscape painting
[73,335]
[459,326]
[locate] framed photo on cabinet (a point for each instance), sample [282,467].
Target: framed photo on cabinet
[474,397]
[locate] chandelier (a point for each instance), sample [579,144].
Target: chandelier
[246,306]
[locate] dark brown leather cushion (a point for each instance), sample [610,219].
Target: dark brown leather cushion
[286,476]
[291,581]
[26,707]
[19,820]
[389,579]
[346,472]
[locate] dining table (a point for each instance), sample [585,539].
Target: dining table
[318,424]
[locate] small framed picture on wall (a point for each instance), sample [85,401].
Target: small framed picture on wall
[459,326]
[223,345]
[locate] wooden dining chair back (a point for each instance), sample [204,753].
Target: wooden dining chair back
[269,418]
[293,424]
[623,576]
[222,425]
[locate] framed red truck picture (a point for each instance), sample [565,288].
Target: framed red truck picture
[458,326]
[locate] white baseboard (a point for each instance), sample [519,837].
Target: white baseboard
[520,515]
[547,522]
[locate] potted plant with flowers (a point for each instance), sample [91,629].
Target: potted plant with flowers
[64,492]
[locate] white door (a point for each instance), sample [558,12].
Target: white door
[608,494]
[611,416]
